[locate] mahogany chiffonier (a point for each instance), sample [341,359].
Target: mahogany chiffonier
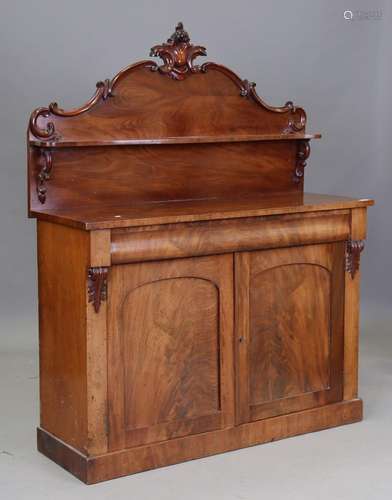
[192,298]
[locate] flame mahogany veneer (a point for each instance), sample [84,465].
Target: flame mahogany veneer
[192,298]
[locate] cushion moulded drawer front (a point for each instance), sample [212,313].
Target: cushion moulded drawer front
[214,237]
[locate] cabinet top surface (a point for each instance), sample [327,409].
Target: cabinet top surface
[144,214]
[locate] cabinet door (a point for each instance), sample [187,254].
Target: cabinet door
[170,349]
[289,329]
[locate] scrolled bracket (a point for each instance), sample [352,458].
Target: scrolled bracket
[297,118]
[44,174]
[353,255]
[48,132]
[97,286]
[303,152]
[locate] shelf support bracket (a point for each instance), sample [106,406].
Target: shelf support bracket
[44,174]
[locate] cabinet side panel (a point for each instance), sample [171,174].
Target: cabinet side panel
[351,313]
[62,265]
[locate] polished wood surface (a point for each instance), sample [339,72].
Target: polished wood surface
[103,467]
[96,176]
[148,106]
[290,351]
[170,329]
[73,363]
[145,214]
[96,362]
[193,299]
[212,237]
[171,123]
[176,99]
[351,313]
[170,325]
[62,261]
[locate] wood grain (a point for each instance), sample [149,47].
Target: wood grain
[289,339]
[63,255]
[96,176]
[213,237]
[241,335]
[147,105]
[170,328]
[221,314]
[133,460]
[197,139]
[351,315]
[144,214]
[291,354]
[100,248]
[96,352]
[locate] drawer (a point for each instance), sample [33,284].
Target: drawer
[215,237]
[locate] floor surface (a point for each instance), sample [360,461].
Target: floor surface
[353,462]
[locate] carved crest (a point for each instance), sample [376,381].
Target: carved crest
[353,253]
[178,55]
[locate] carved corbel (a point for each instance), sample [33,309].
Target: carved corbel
[353,254]
[303,153]
[97,286]
[44,173]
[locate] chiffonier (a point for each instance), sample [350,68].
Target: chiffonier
[192,298]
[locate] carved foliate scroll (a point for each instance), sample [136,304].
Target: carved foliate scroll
[97,286]
[178,54]
[353,253]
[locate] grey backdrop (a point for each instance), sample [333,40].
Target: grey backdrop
[338,70]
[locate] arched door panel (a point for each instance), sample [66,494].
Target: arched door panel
[290,329]
[170,354]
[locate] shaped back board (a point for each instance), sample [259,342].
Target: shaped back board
[169,131]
